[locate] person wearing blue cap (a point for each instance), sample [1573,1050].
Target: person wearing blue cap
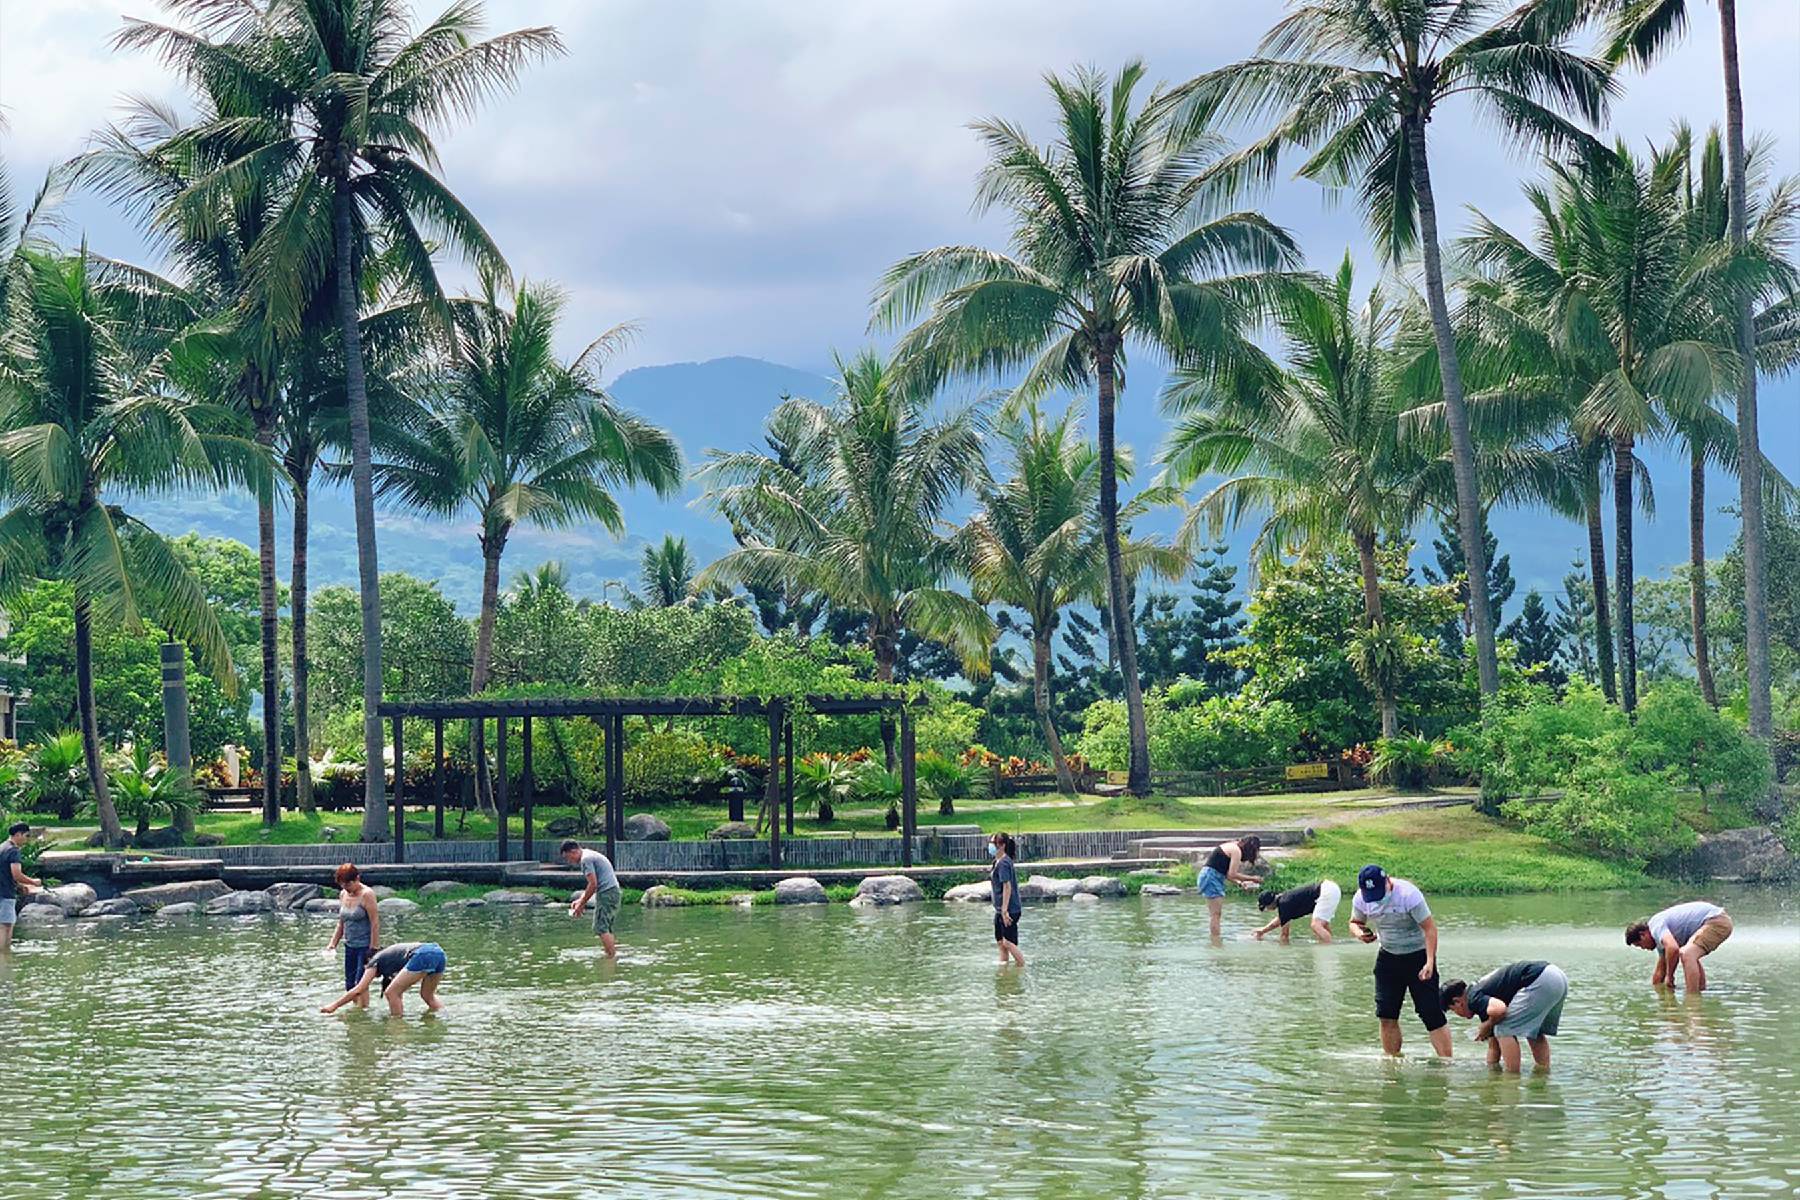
[1394,912]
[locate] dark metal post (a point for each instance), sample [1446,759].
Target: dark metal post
[787,770]
[529,788]
[909,788]
[399,789]
[437,777]
[613,760]
[500,789]
[618,812]
[772,790]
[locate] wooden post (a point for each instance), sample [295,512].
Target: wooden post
[614,734]
[500,789]
[772,790]
[619,791]
[909,787]
[787,771]
[437,777]
[399,789]
[529,787]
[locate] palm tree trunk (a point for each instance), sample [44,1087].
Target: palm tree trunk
[1622,575]
[882,641]
[110,829]
[1040,694]
[1697,574]
[1376,616]
[492,547]
[1750,463]
[1456,416]
[1603,636]
[297,598]
[362,484]
[266,587]
[1118,599]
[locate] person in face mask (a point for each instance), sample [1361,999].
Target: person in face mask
[1007,907]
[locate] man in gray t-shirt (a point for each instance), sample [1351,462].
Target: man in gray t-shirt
[1684,934]
[602,888]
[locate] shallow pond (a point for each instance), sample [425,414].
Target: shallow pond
[835,1052]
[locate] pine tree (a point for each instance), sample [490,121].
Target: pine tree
[1216,623]
[1535,634]
[1575,622]
[1452,566]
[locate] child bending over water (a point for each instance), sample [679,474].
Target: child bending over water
[399,967]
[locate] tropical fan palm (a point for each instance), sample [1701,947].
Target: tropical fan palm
[668,573]
[857,520]
[91,411]
[1356,82]
[1637,309]
[1114,242]
[1319,449]
[1035,545]
[332,104]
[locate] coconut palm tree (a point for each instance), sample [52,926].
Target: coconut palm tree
[1635,306]
[338,101]
[1034,544]
[92,409]
[1357,82]
[1640,31]
[1318,449]
[857,521]
[518,437]
[1116,242]
[667,574]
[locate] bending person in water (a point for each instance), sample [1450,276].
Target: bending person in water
[1007,905]
[1684,934]
[1519,1000]
[1394,912]
[1226,865]
[1320,899]
[602,888]
[399,967]
[358,925]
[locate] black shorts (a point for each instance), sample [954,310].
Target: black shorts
[1398,974]
[1004,932]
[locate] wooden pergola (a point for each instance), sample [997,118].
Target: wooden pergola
[610,713]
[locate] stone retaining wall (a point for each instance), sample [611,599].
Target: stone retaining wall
[723,855]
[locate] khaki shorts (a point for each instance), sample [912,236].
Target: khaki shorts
[1712,935]
[606,909]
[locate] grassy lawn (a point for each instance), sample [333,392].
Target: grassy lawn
[1452,850]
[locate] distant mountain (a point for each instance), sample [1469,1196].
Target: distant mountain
[721,404]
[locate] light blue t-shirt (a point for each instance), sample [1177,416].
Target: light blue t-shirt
[1396,918]
[1682,920]
[597,867]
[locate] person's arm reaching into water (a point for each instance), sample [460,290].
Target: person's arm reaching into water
[1274,921]
[1496,1013]
[361,988]
[1668,955]
[580,902]
[1429,928]
[1234,869]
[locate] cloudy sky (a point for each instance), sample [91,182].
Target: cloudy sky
[735,173]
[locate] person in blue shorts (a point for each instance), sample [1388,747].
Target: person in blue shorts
[1226,865]
[14,882]
[399,967]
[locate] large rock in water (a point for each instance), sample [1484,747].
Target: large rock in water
[160,839]
[1159,889]
[186,908]
[240,904]
[663,897]
[971,893]
[471,902]
[731,831]
[642,827]
[289,896]
[879,891]
[1100,885]
[322,906]
[396,906]
[119,907]
[1034,891]
[438,887]
[196,891]
[800,891]
[70,897]
[1753,855]
[1060,888]
[42,914]
[504,896]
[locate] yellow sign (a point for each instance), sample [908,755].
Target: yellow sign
[1309,771]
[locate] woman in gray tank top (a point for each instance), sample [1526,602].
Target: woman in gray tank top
[358,927]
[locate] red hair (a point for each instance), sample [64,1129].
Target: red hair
[346,873]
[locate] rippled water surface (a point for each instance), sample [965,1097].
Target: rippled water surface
[832,1052]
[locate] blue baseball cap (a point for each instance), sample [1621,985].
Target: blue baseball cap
[1372,882]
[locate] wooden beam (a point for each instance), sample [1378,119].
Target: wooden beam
[437,777]
[787,768]
[772,789]
[529,787]
[399,790]
[909,788]
[613,737]
[500,790]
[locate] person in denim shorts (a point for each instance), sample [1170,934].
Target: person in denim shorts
[399,967]
[14,882]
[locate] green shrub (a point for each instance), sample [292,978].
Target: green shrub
[1189,732]
[823,781]
[1528,742]
[1613,807]
[876,784]
[945,780]
[1405,762]
[671,765]
[1708,751]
